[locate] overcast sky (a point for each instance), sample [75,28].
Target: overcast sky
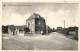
[56,13]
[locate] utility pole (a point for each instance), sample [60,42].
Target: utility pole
[64,27]
[46,26]
[64,23]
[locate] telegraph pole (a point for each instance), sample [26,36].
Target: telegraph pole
[64,27]
[46,26]
[64,23]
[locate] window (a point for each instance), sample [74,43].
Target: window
[32,23]
[28,24]
[39,22]
[38,16]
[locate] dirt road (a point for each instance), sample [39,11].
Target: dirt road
[53,41]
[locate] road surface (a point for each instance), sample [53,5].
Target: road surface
[52,41]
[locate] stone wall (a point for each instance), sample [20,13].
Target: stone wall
[31,25]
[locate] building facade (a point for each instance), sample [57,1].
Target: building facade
[36,24]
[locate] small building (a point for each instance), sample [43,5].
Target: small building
[16,30]
[36,24]
[61,30]
[72,31]
[48,29]
[59,27]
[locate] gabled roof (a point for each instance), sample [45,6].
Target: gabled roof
[34,15]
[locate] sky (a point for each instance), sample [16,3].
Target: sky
[16,13]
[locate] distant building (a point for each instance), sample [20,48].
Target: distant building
[48,29]
[16,30]
[36,24]
[59,27]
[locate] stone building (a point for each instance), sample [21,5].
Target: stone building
[36,24]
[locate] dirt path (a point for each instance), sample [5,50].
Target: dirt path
[53,41]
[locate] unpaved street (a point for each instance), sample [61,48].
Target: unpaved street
[52,41]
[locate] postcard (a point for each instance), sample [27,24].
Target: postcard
[31,26]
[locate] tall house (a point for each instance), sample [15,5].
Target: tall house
[36,24]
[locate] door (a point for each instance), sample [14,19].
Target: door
[16,32]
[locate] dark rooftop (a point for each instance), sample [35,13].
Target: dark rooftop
[35,15]
[16,27]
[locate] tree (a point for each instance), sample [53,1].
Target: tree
[4,29]
[26,29]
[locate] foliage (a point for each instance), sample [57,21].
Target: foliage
[26,29]
[4,29]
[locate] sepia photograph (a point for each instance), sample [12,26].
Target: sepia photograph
[39,26]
